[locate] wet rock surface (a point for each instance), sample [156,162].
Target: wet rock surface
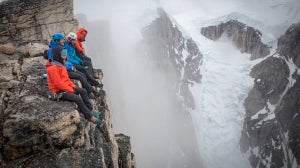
[246,38]
[271,127]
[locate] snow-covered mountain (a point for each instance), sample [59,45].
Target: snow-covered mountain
[174,52]
[271,123]
[178,57]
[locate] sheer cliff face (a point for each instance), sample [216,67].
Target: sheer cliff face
[246,38]
[35,129]
[271,127]
[289,46]
[35,20]
[179,59]
[174,53]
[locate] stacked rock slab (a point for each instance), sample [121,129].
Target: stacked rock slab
[36,131]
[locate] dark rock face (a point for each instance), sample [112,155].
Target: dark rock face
[179,57]
[287,114]
[36,131]
[289,44]
[34,125]
[261,130]
[175,53]
[65,158]
[124,146]
[271,126]
[35,20]
[270,81]
[246,38]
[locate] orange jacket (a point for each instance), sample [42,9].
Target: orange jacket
[57,77]
[78,43]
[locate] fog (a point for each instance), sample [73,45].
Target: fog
[141,97]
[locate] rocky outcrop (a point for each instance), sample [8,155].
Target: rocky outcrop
[176,53]
[271,127]
[24,21]
[29,24]
[126,159]
[271,79]
[179,57]
[261,132]
[289,44]
[37,131]
[246,38]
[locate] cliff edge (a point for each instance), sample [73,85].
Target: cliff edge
[36,131]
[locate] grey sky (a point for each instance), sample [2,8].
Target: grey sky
[267,11]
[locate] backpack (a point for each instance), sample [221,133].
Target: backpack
[48,54]
[45,54]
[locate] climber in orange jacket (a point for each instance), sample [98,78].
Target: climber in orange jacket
[60,83]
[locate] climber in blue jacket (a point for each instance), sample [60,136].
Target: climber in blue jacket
[72,57]
[57,39]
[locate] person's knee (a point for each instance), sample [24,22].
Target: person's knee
[81,91]
[84,91]
[81,79]
[77,99]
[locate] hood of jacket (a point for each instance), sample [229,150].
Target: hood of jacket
[52,62]
[53,43]
[79,32]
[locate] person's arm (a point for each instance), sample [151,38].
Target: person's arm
[78,59]
[79,47]
[79,54]
[73,60]
[69,66]
[69,82]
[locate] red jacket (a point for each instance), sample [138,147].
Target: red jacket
[58,78]
[78,43]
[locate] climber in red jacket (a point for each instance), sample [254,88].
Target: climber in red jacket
[80,51]
[60,83]
[81,34]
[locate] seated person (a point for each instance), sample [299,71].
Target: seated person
[80,51]
[78,62]
[57,39]
[59,82]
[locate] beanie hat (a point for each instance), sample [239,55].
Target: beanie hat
[63,52]
[57,54]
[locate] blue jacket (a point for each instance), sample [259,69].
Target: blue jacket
[69,66]
[71,56]
[51,45]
